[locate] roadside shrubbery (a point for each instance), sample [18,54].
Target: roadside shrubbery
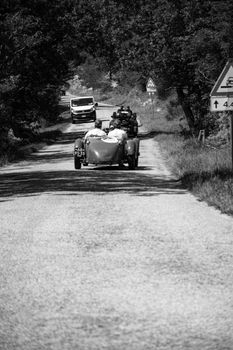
[13,148]
[206,171]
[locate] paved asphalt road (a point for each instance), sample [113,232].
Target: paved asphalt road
[102,258]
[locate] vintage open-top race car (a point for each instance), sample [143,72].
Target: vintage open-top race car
[106,151]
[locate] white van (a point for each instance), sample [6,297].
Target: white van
[83,108]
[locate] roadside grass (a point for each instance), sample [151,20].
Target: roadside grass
[204,171]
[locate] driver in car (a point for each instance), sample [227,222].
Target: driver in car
[97,131]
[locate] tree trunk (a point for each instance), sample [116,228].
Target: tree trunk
[186,108]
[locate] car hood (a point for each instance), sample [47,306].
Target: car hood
[82,108]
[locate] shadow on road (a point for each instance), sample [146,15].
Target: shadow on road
[69,137]
[104,181]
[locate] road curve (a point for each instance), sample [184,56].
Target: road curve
[103,258]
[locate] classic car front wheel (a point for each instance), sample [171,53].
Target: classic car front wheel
[77,163]
[131,162]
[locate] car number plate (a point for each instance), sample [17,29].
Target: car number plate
[79,152]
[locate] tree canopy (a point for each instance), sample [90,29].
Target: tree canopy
[182,44]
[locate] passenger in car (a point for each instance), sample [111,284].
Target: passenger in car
[111,123]
[117,132]
[97,131]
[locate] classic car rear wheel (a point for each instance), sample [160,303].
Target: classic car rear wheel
[131,162]
[77,163]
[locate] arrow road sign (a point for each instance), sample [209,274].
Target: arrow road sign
[219,104]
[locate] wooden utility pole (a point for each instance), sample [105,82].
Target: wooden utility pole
[152,103]
[231,139]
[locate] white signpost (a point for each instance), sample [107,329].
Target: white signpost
[151,89]
[221,96]
[219,104]
[222,93]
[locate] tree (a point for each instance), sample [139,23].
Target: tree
[36,45]
[183,45]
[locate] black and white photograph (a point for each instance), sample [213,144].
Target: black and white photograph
[116,175]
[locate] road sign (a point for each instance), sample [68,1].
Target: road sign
[224,84]
[221,96]
[150,86]
[219,104]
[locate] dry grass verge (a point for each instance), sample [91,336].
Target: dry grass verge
[205,171]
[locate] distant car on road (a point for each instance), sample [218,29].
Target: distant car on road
[83,109]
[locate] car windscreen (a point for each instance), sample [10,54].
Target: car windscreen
[82,102]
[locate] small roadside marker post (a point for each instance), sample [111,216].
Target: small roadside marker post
[201,136]
[151,94]
[221,97]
